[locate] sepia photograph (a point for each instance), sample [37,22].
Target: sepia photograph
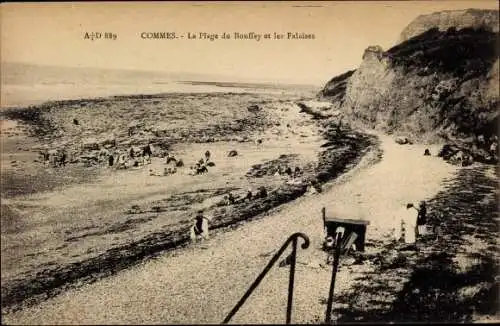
[273,162]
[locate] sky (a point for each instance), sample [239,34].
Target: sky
[53,34]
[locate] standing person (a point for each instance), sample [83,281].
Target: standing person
[63,158]
[405,223]
[46,157]
[421,218]
[200,227]
[249,195]
[147,150]
[207,156]
[493,148]
[261,192]
[410,221]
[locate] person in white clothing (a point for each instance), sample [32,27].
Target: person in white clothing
[406,224]
[200,227]
[410,221]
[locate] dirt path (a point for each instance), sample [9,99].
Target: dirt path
[201,283]
[452,278]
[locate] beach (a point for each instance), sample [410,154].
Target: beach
[86,235]
[62,222]
[200,283]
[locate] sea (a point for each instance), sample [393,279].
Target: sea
[24,85]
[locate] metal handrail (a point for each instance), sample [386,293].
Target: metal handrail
[336,257]
[294,239]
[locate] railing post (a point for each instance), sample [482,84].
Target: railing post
[323,214]
[338,244]
[291,280]
[293,238]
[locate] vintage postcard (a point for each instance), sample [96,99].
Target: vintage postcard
[249,162]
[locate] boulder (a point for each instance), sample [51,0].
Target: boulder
[401,140]
[254,108]
[232,153]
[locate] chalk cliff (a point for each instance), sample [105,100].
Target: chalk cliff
[439,82]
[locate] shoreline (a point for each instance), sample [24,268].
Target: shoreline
[180,88]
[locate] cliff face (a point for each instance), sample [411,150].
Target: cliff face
[440,82]
[474,18]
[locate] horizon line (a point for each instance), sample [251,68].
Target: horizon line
[229,78]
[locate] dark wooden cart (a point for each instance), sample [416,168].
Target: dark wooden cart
[354,231]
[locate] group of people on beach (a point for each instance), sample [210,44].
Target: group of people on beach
[231,199]
[287,170]
[134,157]
[202,165]
[54,158]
